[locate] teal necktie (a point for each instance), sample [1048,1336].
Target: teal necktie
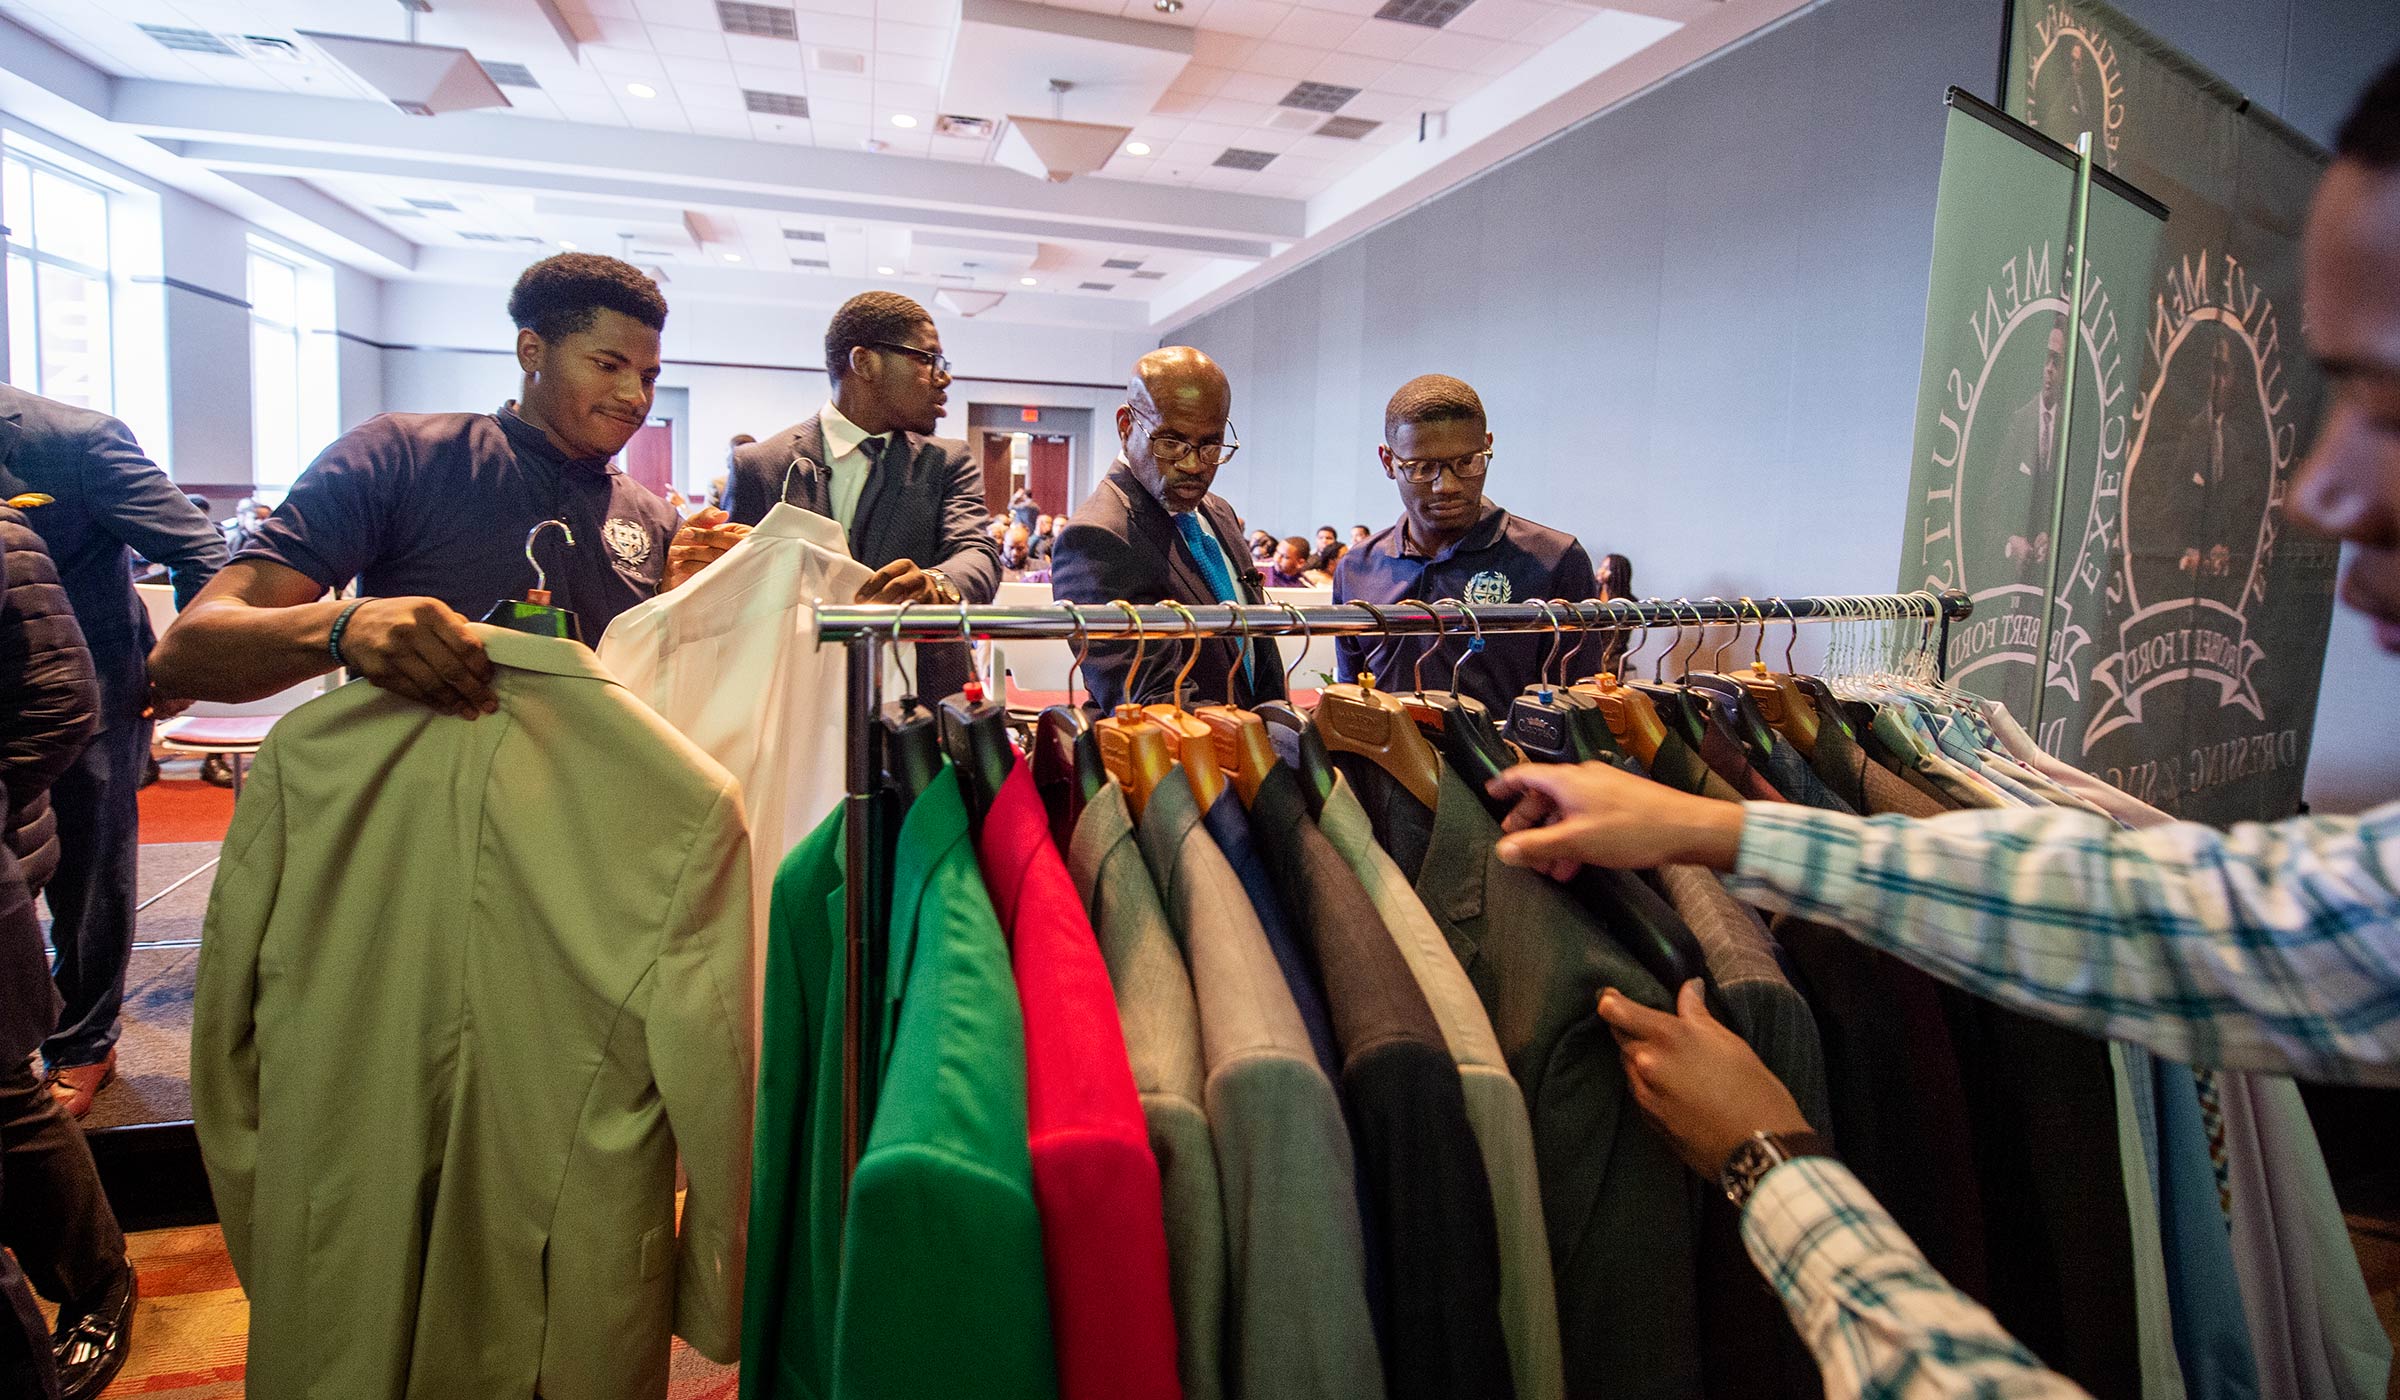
[1212,567]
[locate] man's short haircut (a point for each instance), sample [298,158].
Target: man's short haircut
[1431,398]
[868,319]
[1296,542]
[561,295]
[2372,134]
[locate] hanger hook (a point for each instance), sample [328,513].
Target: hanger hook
[1239,616]
[1659,666]
[1416,673]
[1793,619]
[1716,659]
[1758,647]
[541,576]
[1308,638]
[1641,644]
[1558,640]
[1141,644]
[1191,627]
[1083,647]
[1472,648]
[908,684]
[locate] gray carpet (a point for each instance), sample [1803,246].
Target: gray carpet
[153,1083]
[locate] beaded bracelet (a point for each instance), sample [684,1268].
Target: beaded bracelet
[341,624]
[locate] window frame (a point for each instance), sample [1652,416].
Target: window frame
[31,377]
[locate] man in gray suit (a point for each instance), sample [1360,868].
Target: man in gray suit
[912,503]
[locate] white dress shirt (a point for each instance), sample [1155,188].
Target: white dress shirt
[850,453]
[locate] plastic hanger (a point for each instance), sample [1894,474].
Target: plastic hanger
[910,732]
[1732,700]
[1315,765]
[534,613]
[1549,723]
[1460,727]
[1135,752]
[975,735]
[1195,744]
[1359,719]
[1673,707]
[1244,752]
[1067,770]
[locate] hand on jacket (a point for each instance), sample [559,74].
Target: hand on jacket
[701,542]
[1591,814]
[421,649]
[1699,1083]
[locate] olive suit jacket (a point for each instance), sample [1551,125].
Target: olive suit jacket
[467,991]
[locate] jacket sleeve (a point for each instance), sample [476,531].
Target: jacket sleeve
[224,1003]
[147,513]
[1094,566]
[967,553]
[749,495]
[698,1028]
[49,697]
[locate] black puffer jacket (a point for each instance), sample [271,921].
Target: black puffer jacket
[49,697]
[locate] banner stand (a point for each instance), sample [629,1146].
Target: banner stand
[2078,225]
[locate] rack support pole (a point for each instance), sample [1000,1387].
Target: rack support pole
[861,839]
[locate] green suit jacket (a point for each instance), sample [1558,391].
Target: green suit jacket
[467,990]
[932,1285]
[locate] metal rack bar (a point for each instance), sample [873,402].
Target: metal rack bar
[863,631]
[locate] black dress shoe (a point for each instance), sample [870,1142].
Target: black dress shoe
[91,1344]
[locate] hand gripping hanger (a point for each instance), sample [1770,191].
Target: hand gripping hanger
[533,613]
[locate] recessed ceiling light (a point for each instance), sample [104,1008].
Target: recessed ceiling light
[733,257]
[1029,281]
[1167,7]
[903,120]
[641,89]
[563,243]
[1137,148]
[883,272]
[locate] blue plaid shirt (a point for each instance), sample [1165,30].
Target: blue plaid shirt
[2268,947]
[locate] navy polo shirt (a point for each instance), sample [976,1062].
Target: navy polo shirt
[1504,559]
[438,505]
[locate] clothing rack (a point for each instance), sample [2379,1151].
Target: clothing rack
[863,632]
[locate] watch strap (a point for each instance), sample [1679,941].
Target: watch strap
[1762,1153]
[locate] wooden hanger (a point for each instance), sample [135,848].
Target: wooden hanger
[1779,696]
[1358,718]
[1631,716]
[1195,743]
[1459,725]
[1134,751]
[1243,750]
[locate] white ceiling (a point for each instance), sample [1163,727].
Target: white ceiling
[647,104]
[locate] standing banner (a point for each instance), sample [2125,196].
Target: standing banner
[1993,438]
[2194,682]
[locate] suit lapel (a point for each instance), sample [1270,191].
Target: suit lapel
[802,482]
[1159,527]
[10,434]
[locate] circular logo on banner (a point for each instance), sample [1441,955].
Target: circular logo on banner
[1490,586]
[628,540]
[2073,84]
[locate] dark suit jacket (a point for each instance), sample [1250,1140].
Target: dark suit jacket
[109,498]
[1121,543]
[49,698]
[931,513]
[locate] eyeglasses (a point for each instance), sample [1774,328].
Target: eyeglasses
[1425,471]
[939,362]
[1169,449]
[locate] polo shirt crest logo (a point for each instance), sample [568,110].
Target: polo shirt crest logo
[627,540]
[1490,586]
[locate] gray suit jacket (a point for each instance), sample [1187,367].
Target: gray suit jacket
[931,511]
[108,498]
[1299,1326]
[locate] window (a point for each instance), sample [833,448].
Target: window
[59,319]
[275,392]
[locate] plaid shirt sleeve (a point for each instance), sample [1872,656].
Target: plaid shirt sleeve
[2269,947]
[1882,1323]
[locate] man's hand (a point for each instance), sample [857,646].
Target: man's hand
[158,706]
[701,542]
[1701,1084]
[1591,814]
[900,581]
[419,648]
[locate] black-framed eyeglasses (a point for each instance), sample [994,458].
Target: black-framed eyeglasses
[1424,471]
[934,359]
[1170,449]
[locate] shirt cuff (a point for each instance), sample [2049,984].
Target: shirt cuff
[1811,1225]
[1797,859]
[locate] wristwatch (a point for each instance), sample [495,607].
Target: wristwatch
[1761,1153]
[944,590]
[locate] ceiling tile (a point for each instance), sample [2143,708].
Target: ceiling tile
[1499,19]
[1158,130]
[938,13]
[624,63]
[1554,26]
[1458,53]
[916,72]
[711,97]
[619,33]
[913,40]
[763,53]
[842,138]
[1286,61]
[691,14]
[556,79]
[688,43]
[1264,88]
[655,117]
[1414,81]
[839,113]
[859,9]
[1224,111]
[787,129]
[1504,58]
[717,122]
[836,87]
[1177,104]
[1255,18]
[1221,50]
[1382,107]
[617,9]
[598,111]
[1381,38]
[708,72]
[908,97]
[1214,136]
[1350,70]
[1316,29]
[1200,79]
[837,31]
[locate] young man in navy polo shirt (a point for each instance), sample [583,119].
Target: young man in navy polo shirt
[429,512]
[1452,543]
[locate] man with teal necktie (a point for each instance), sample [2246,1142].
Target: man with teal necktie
[1153,533]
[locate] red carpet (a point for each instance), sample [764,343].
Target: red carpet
[185,809]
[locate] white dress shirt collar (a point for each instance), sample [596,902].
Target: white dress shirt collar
[842,437]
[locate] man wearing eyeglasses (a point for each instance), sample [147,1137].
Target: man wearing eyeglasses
[1152,532]
[911,503]
[1450,542]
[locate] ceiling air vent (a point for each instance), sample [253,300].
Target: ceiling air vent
[974,128]
[400,213]
[804,235]
[268,48]
[1096,286]
[515,75]
[845,61]
[1430,14]
[811,262]
[1149,277]
[188,40]
[1235,158]
[1318,97]
[1122,264]
[486,237]
[757,21]
[1347,128]
[776,104]
[439,205]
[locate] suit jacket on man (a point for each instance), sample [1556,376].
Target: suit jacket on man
[930,509]
[1122,544]
[107,497]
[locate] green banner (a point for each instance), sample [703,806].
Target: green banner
[1994,437]
[2201,685]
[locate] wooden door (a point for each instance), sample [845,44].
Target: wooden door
[995,473]
[1047,472]
[650,457]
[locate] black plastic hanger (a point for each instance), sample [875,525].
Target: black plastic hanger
[908,732]
[975,735]
[1731,699]
[1460,727]
[1315,765]
[534,613]
[1067,770]
[1552,724]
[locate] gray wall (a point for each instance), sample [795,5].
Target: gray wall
[1697,320]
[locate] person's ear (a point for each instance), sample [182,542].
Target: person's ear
[1125,423]
[860,365]
[531,350]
